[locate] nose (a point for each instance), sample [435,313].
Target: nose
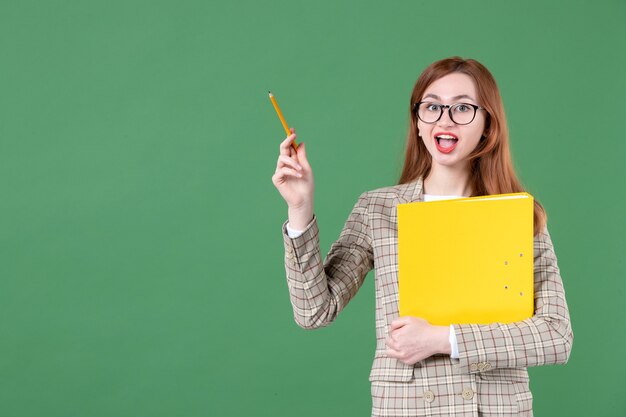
[445,119]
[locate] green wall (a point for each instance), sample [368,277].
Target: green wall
[141,258]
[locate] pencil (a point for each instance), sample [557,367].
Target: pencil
[282,120]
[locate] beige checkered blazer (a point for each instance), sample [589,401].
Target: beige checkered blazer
[490,375]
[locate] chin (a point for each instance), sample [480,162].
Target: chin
[447,161]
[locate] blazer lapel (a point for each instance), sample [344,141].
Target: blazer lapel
[410,192]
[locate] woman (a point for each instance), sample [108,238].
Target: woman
[457,147]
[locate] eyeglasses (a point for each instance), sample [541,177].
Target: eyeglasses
[460,113]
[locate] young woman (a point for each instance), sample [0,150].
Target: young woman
[457,146]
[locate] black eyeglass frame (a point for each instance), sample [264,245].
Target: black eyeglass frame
[442,108]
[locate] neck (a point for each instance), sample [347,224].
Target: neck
[444,180]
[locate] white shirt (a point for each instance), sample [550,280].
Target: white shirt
[454,347]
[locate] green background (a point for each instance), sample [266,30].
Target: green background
[142,269]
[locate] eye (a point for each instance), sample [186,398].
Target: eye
[462,108]
[432,107]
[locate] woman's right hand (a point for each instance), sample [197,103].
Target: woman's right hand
[294,180]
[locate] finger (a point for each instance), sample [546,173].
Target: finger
[394,335]
[392,353]
[283,172]
[390,343]
[302,157]
[285,145]
[292,135]
[293,151]
[284,160]
[398,323]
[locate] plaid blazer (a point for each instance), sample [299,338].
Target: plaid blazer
[490,375]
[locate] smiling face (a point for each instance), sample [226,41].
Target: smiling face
[455,141]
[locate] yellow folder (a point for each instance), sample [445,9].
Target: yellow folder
[467,260]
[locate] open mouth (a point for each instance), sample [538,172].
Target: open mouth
[446,143]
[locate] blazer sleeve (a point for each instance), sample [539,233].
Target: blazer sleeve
[320,290]
[544,339]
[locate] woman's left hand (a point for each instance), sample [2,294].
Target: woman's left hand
[412,339]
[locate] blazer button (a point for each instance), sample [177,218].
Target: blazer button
[429,396]
[468,394]
[487,366]
[473,367]
[481,366]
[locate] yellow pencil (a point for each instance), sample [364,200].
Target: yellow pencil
[282,120]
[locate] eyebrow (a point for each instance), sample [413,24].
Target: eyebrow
[436,97]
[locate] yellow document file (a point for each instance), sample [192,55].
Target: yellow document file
[468,260]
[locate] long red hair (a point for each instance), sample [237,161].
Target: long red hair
[491,164]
